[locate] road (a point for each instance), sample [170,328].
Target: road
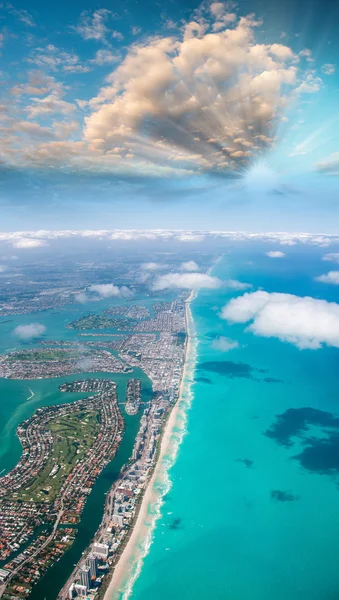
[46,542]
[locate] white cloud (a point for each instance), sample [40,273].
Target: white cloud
[153,266]
[149,268]
[217,9]
[208,95]
[282,238]
[52,58]
[234,284]
[224,344]
[332,257]
[33,130]
[122,235]
[275,254]
[3,268]
[306,53]
[117,35]
[81,297]
[310,84]
[331,277]
[133,234]
[190,265]
[23,15]
[105,57]
[135,30]
[51,104]
[28,243]
[188,281]
[302,321]
[190,237]
[328,69]
[27,332]
[329,165]
[109,290]
[94,26]
[221,14]
[100,291]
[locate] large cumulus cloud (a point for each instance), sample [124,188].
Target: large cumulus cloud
[304,322]
[209,98]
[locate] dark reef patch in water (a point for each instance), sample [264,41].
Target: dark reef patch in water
[321,455]
[294,422]
[230,369]
[204,380]
[281,496]
[320,452]
[246,461]
[176,524]
[272,380]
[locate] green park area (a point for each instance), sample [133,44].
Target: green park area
[73,435]
[93,321]
[45,354]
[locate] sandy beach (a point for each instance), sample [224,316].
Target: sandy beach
[122,569]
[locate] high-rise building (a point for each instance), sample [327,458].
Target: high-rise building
[118,520]
[81,590]
[100,549]
[85,576]
[92,563]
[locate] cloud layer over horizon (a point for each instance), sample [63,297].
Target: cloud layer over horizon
[36,238]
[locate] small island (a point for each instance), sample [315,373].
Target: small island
[94,321]
[133,396]
[59,361]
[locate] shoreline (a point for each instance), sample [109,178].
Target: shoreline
[122,576]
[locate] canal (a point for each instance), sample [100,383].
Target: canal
[51,583]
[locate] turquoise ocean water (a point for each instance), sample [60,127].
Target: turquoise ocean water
[244,518]
[249,515]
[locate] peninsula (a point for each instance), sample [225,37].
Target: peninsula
[65,447]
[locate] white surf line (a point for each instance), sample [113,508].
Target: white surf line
[129,566]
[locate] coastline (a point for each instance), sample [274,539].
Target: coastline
[129,565]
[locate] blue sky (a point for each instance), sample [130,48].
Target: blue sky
[171,114]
